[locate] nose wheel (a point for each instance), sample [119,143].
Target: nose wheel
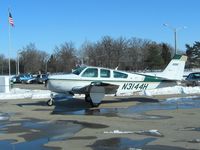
[50,102]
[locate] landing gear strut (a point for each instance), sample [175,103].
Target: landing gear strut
[87,98]
[50,102]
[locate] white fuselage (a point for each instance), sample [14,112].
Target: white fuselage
[132,83]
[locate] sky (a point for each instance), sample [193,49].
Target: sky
[50,23]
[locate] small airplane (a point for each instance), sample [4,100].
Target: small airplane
[95,82]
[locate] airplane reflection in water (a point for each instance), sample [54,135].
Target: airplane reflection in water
[138,111]
[95,82]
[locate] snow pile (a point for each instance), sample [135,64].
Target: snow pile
[17,93]
[118,132]
[152,132]
[171,90]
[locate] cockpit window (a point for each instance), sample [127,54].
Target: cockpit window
[78,70]
[90,72]
[104,73]
[119,74]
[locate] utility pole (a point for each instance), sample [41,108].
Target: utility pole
[175,35]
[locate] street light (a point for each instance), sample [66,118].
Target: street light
[175,34]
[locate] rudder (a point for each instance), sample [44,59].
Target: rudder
[175,68]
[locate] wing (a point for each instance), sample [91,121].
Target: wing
[109,88]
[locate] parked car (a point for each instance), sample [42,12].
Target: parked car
[22,78]
[41,78]
[15,79]
[193,79]
[31,80]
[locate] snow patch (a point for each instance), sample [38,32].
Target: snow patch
[171,90]
[17,93]
[3,116]
[118,132]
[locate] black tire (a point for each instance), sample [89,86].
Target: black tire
[95,104]
[87,98]
[50,102]
[194,83]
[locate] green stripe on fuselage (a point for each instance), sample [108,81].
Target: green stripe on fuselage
[146,79]
[177,57]
[152,79]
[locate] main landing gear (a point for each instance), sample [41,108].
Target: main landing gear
[50,102]
[89,100]
[95,95]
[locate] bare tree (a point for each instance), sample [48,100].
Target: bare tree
[65,57]
[32,60]
[87,53]
[127,54]
[4,65]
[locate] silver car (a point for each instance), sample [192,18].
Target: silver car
[193,79]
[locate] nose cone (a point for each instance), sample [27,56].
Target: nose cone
[61,83]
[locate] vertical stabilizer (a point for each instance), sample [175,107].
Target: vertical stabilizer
[175,69]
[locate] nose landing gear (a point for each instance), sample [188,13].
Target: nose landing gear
[95,96]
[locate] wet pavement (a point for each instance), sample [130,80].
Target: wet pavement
[136,112]
[129,144]
[120,144]
[37,133]
[32,145]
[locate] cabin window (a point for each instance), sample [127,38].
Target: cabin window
[90,72]
[104,73]
[78,70]
[195,76]
[119,74]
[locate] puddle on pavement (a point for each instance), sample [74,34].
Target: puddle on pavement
[83,138]
[4,116]
[195,140]
[129,144]
[120,144]
[32,145]
[135,112]
[164,147]
[37,132]
[191,129]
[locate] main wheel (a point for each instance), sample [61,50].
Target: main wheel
[50,102]
[94,104]
[194,83]
[89,100]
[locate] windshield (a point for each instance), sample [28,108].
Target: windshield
[78,70]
